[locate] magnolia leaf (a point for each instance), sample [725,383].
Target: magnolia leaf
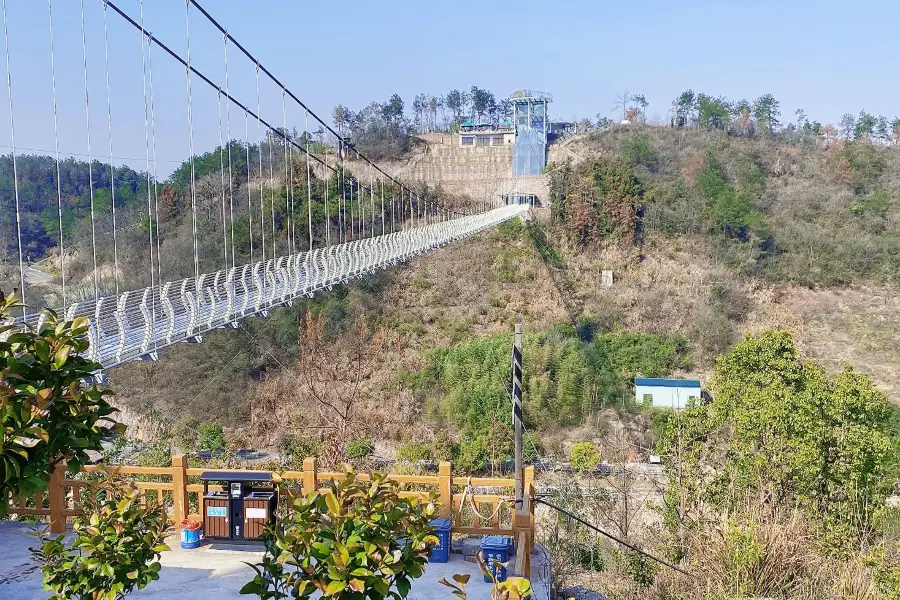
[334,587]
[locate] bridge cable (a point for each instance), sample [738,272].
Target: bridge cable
[12,132]
[288,197]
[190,116]
[278,83]
[269,139]
[222,179]
[249,203]
[383,223]
[262,212]
[87,113]
[308,181]
[112,168]
[153,145]
[153,294]
[230,175]
[59,203]
[327,214]
[342,210]
[372,198]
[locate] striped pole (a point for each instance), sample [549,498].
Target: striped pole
[517,409]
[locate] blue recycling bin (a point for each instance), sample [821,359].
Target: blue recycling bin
[495,549]
[190,538]
[441,552]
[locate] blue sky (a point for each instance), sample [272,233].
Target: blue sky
[827,57]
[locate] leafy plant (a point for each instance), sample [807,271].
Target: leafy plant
[115,550]
[510,589]
[210,436]
[414,452]
[359,449]
[585,457]
[48,413]
[343,541]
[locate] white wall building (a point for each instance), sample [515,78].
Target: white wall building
[666,393]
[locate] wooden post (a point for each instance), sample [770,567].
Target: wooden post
[180,505]
[517,409]
[57,494]
[445,470]
[528,505]
[310,472]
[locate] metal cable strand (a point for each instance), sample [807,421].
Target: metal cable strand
[249,202]
[62,248]
[12,132]
[288,199]
[325,194]
[308,182]
[383,224]
[262,212]
[269,138]
[153,147]
[222,173]
[187,77]
[87,113]
[372,198]
[230,175]
[147,152]
[112,168]
[342,234]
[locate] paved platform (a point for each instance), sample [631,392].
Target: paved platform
[214,571]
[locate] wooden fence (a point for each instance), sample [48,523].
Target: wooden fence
[178,486]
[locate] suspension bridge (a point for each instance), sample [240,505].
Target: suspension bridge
[365,228]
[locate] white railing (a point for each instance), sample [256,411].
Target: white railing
[137,324]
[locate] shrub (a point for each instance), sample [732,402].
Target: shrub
[414,452]
[296,448]
[473,456]
[48,414]
[210,436]
[637,151]
[115,550]
[343,542]
[359,449]
[443,448]
[585,457]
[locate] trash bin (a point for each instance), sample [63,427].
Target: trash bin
[441,552]
[190,534]
[241,511]
[495,549]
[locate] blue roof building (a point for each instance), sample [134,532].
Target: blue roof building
[666,393]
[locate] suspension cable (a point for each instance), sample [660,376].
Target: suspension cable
[342,234]
[249,202]
[372,198]
[222,179]
[87,113]
[383,224]
[112,168]
[187,77]
[153,146]
[62,249]
[289,208]
[269,139]
[153,293]
[308,182]
[230,175]
[262,211]
[12,131]
[325,196]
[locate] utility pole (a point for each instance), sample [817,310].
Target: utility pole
[517,409]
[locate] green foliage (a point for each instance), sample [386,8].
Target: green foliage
[547,252]
[638,567]
[49,415]
[510,229]
[875,203]
[731,211]
[342,542]
[414,452]
[866,162]
[472,455]
[885,566]
[295,448]
[637,151]
[782,426]
[210,436]
[565,378]
[359,449]
[115,550]
[585,457]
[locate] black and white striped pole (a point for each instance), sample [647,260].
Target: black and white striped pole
[517,409]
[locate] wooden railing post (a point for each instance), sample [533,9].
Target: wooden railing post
[529,499]
[310,475]
[57,495]
[181,507]
[445,470]
[523,525]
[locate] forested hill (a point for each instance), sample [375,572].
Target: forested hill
[39,197]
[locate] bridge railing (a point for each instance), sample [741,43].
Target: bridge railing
[475,505]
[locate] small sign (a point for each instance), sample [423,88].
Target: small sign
[216,511]
[256,513]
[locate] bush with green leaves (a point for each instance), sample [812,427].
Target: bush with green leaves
[359,449]
[344,541]
[49,415]
[210,436]
[414,452]
[585,457]
[115,550]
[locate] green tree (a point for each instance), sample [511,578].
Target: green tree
[766,112]
[585,457]
[344,542]
[115,550]
[50,416]
[780,426]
